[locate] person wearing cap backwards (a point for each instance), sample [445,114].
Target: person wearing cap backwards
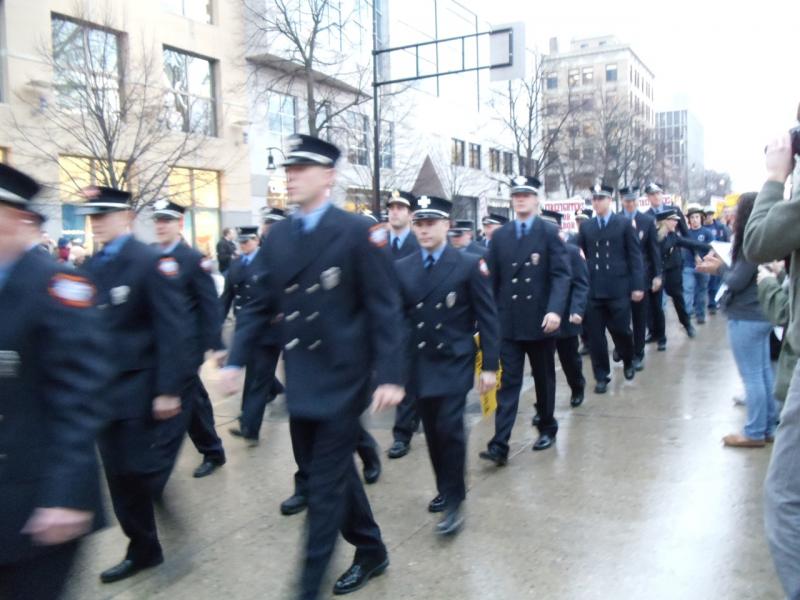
[651,308]
[332,286]
[51,403]
[695,283]
[530,274]
[491,223]
[568,341]
[445,293]
[616,278]
[670,243]
[205,325]
[402,243]
[145,314]
[460,236]
[655,195]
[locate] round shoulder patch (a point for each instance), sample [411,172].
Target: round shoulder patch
[378,236]
[207,265]
[168,266]
[71,290]
[483,268]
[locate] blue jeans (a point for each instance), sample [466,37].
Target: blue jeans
[750,345]
[695,292]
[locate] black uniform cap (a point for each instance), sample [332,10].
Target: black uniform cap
[406,198]
[269,215]
[602,190]
[653,188]
[668,213]
[309,150]
[100,200]
[493,219]
[629,193]
[460,227]
[164,209]
[431,207]
[552,215]
[247,233]
[525,185]
[584,213]
[17,189]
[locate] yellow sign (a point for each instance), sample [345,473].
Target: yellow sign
[489,399]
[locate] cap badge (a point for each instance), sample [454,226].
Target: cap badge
[424,202]
[520,180]
[161,205]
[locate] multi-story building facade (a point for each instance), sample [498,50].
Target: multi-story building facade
[598,99]
[168,115]
[679,139]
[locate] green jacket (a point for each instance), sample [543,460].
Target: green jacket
[773,233]
[774,299]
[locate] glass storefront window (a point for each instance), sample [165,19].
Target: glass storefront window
[198,191]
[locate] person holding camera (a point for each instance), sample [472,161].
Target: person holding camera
[771,234]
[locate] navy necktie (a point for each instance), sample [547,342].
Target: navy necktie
[396,245]
[523,230]
[429,262]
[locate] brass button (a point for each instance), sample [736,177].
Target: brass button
[438,306]
[312,289]
[514,280]
[438,326]
[315,345]
[421,345]
[440,346]
[291,288]
[312,316]
[420,305]
[420,325]
[514,297]
[293,316]
[292,344]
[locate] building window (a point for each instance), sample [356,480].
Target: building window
[574,77]
[574,154]
[458,151]
[552,182]
[552,81]
[197,10]
[475,156]
[387,145]
[611,73]
[87,66]
[587,75]
[508,163]
[551,109]
[494,160]
[588,102]
[281,118]
[359,139]
[190,98]
[198,191]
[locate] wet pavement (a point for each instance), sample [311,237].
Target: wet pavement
[637,500]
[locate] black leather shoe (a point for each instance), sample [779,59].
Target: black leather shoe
[649,339]
[701,320]
[629,371]
[577,399]
[293,505]
[601,387]
[495,456]
[127,568]
[437,505]
[544,442]
[615,356]
[691,331]
[536,420]
[357,576]
[241,433]
[398,450]
[638,364]
[372,472]
[208,466]
[662,346]
[584,351]
[451,523]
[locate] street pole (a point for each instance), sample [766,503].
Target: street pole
[376,136]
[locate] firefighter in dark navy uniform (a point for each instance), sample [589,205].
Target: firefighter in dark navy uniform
[445,293]
[53,374]
[205,329]
[331,284]
[616,278]
[531,275]
[402,243]
[145,314]
[460,236]
[491,223]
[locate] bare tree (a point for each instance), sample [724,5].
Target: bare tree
[291,43]
[116,113]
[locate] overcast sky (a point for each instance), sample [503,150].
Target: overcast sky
[739,67]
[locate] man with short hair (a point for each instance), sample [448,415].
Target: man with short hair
[491,223]
[226,249]
[530,272]
[655,195]
[145,314]
[331,285]
[616,278]
[205,324]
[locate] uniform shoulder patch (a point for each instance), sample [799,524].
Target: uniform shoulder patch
[168,266]
[483,268]
[207,264]
[71,290]
[378,236]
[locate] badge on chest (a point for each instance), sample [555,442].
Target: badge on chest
[9,363]
[450,300]
[535,258]
[330,278]
[119,295]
